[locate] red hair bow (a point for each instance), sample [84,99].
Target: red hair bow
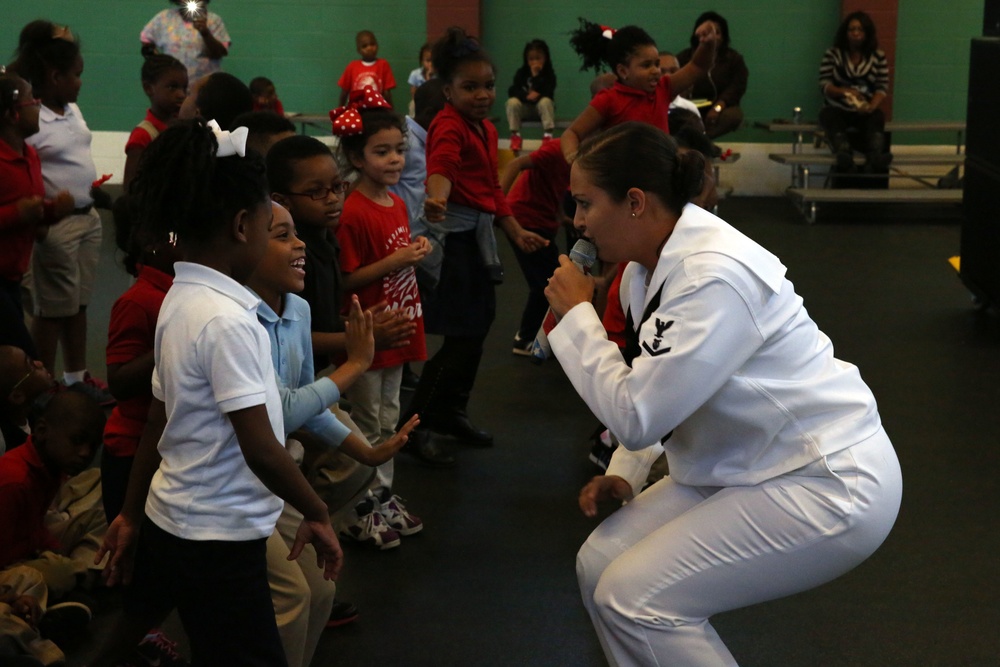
[347,120]
[368,98]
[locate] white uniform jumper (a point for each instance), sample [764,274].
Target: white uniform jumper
[781,477]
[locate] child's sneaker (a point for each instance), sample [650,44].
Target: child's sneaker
[547,137]
[394,512]
[157,650]
[65,624]
[604,446]
[516,142]
[342,613]
[370,529]
[522,346]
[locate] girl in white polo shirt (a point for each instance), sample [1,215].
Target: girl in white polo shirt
[211,470]
[64,264]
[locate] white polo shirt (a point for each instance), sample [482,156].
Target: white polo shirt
[212,357]
[63,145]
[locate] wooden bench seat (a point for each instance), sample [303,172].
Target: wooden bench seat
[808,198]
[904,159]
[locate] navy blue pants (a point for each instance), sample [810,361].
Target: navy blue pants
[220,591]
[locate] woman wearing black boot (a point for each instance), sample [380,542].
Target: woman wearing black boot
[854,78]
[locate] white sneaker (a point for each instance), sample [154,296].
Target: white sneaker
[398,518]
[370,528]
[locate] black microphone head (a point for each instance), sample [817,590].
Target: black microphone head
[583,254]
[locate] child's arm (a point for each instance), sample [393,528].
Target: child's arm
[132,157]
[527,241]
[401,258]
[387,94]
[269,461]
[701,60]
[586,123]
[438,191]
[343,96]
[306,398]
[363,453]
[36,211]
[511,171]
[131,378]
[121,536]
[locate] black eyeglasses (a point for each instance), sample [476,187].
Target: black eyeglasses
[322,193]
[27,375]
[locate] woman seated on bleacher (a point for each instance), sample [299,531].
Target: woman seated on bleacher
[854,78]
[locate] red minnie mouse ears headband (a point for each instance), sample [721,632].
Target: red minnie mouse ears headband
[347,120]
[607,32]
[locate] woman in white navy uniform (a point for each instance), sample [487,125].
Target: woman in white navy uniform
[781,476]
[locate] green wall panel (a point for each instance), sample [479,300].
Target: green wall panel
[303,45]
[782,42]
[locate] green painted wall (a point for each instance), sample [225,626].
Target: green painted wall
[302,45]
[782,42]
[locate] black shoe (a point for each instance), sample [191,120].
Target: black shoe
[65,624]
[422,446]
[458,425]
[410,379]
[342,613]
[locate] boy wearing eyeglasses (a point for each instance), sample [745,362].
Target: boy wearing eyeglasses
[22,381]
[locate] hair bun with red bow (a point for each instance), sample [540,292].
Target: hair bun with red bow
[347,120]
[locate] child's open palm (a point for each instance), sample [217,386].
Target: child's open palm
[381,453]
[359,332]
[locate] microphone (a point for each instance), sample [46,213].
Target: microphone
[583,255]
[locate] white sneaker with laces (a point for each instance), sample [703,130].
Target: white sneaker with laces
[398,518]
[370,528]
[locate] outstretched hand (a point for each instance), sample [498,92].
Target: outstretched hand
[602,488]
[382,452]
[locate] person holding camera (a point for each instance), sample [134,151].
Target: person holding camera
[190,33]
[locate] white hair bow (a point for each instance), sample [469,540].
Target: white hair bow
[230,143]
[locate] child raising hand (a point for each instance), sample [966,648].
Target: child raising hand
[641,92]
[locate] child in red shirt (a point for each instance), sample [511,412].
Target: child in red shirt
[641,92]
[369,71]
[265,97]
[377,260]
[464,202]
[165,82]
[24,211]
[130,352]
[536,200]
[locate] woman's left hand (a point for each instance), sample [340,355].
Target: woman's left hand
[568,287]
